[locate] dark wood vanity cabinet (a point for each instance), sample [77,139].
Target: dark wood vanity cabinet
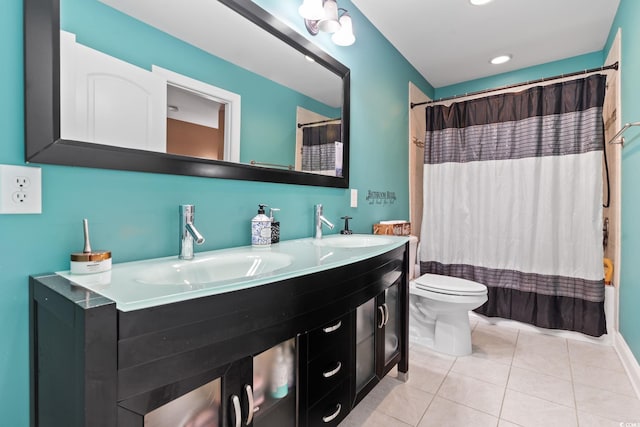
[94,365]
[325,370]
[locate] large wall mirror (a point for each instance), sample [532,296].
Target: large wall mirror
[213,88]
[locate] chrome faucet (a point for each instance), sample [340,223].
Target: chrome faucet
[319,220]
[188,232]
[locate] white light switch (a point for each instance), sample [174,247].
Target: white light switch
[354,198]
[20,190]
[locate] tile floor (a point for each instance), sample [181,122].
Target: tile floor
[513,378]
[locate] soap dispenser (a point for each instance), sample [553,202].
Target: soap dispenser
[275,226]
[261,229]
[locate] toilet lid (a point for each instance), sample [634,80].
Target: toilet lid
[448,285]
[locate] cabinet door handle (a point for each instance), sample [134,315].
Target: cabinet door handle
[332,328]
[249,391]
[328,374]
[235,413]
[386,313]
[381,310]
[329,418]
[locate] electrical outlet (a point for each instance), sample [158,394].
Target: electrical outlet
[20,190]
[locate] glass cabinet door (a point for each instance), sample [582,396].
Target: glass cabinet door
[365,343]
[199,407]
[274,386]
[392,331]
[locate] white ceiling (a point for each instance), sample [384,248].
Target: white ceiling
[451,41]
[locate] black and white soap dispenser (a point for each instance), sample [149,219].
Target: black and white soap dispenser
[275,226]
[261,229]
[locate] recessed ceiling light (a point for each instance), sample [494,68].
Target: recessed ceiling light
[479,2]
[501,59]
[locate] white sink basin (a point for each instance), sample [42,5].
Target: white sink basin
[353,241]
[214,268]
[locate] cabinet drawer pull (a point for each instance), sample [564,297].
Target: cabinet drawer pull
[381,310]
[332,372]
[235,414]
[249,392]
[386,313]
[329,418]
[332,328]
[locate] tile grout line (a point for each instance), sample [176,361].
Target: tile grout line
[435,394]
[504,394]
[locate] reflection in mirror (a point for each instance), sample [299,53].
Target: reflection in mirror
[318,143]
[114,96]
[215,47]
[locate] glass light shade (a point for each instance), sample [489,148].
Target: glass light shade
[330,24]
[344,36]
[311,10]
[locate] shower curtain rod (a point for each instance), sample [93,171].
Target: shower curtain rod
[613,66]
[301,125]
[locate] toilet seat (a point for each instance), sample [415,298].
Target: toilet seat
[447,285]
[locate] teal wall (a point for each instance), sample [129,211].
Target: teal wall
[627,19]
[135,214]
[268,131]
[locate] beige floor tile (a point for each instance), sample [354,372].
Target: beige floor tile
[473,393]
[498,333]
[494,344]
[606,404]
[445,413]
[530,411]
[426,378]
[606,379]
[482,369]
[536,370]
[590,420]
[422,356]
[401,401]
[598,355]
[543,386]
[361,418]
[557,366]
[541,343]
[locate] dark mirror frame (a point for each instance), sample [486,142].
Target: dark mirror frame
[42,108]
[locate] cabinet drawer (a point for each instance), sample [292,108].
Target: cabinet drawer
[332,409]
[331,335]
[326,372]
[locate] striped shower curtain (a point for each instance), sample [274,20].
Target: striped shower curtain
[319,148]
[513,200]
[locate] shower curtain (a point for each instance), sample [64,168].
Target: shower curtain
[513,200]
[319,148]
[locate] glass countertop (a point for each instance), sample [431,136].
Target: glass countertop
[148,283]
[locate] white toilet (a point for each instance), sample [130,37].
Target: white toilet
[439,312]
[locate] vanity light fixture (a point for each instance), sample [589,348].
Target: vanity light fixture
[325,16]
[500,59]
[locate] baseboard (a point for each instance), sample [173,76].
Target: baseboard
[628,361]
